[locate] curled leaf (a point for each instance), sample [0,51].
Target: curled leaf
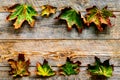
[101,69]
[47,10]
[98,17]
[44,70]
[21,13]
[70,67]
[72,18]
[20,67]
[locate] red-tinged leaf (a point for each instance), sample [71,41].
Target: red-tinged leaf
[98,17]
[20,67]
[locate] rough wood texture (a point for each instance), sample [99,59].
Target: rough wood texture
[49,28]
[46,46]
[56,51]
[51,41]
[77,4]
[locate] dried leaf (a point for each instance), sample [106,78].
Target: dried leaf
[21,13]
[98,17]
[101,69]
[47,10]
[44,70]
[20,67]
[70,67]
[72,18]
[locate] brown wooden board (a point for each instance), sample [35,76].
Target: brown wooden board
[56,51]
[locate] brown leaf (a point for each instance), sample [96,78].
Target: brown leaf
[20,67]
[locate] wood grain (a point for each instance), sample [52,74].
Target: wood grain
[50,40]
[77,4]
[56,51]
[49,28]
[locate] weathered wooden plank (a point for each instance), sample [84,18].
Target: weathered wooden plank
[46,46]
[83,75]
[48,28]
[77,4]
[7,3]
[56,51]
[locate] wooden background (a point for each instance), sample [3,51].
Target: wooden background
[50,40]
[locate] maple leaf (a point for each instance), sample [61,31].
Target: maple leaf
[21,13]
[98,17]
[47,10]
[101,69]
[70,67]
[72,17]
[44,70]
[20,67]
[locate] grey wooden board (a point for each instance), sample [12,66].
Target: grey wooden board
[77,4]
[83,75]
[50,29]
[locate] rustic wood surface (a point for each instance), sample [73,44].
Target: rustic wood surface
[56,53]
[50,40]
[49,28]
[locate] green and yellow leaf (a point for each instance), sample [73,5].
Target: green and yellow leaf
[101,69]
[44,70]
[98,17]
[47,10]
[20,67]
[21,13]
[70,67]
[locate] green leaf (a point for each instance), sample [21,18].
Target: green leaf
[72,17]
[47,10]
[20,67]
[70,67]
[44,70]
[101,69]
[21,13]
[98,17]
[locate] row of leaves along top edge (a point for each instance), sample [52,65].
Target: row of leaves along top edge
[94,16]
[98,70]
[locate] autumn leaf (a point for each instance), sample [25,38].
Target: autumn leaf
[72,18]
[101,69]
[20,67]
[98,17]
[21,13]
[44,70]
[70,67]
[47,10]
